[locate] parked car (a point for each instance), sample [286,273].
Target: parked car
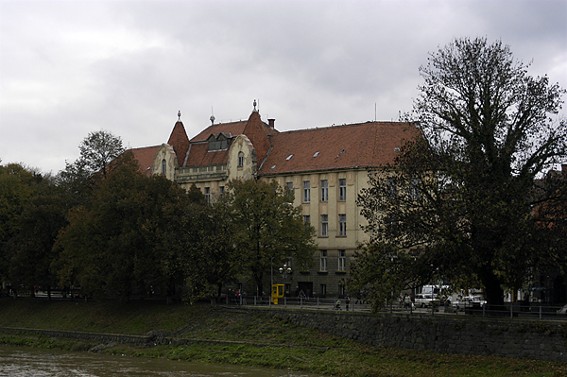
[562,310]
[425,300]
[461,303]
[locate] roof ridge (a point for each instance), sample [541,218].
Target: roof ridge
[316,128]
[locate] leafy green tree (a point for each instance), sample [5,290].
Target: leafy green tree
[459,202]
[130,239]
[31,247]
[97,151]
[269,230]
[218,254]
[17,187]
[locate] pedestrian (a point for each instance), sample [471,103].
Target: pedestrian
[338,304]
[347,302]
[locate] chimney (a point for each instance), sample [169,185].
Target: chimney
[271,122]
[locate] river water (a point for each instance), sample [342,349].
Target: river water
[26,362]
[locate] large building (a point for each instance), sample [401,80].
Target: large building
[325,167]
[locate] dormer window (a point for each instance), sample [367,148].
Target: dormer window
[240,159]
[289,157]
[217,142]
[316,154]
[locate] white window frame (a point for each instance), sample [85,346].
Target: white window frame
[342,225]
[324,225]
[342,189]
[324,190]
[306,191]
[240,159]
[323,259]
[341,260]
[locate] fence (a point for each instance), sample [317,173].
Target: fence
[537,311]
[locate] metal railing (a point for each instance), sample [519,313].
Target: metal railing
[537,311]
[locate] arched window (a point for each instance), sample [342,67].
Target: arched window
[240,159]
[163,167]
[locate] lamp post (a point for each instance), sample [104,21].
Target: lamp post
[284,271]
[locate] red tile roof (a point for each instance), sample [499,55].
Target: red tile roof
[199,155]
[179,141]
[363,145]
[145,157]
[232,128]
[254,128]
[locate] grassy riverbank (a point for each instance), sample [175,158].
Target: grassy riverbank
[243,337]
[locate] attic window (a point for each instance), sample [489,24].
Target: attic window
[273,167]
[289,157]
[316,154]
[397,149]
[217,142]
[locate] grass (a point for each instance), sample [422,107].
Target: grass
[246,338]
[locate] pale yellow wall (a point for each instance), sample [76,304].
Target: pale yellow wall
[356,180]
[241,144]
[166,153]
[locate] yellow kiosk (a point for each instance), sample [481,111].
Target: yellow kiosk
[277,292]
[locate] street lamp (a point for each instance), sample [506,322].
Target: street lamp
[284,271]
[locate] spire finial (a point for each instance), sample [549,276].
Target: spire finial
[179,115]
[254,103]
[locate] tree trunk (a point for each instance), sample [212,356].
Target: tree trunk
[492,289]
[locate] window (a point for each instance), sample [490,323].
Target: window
[289,186]
[324,190]
[414,189]
[306,191]
[208,194]
[391,187]
[324,225]
[342,290]
[221,190]
[306,219]
[342,225]
[342,189]
[323,260]
[240,159]
[323,290]
[163,167]
[341,260]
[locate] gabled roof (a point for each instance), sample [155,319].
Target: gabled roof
[232,129]
[257,131]
[145,157]
[363,145]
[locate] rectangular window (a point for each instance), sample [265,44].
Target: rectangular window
[324,225]
[392,188]
[221,190]
[323,290]
[342,225]
[342,189]
[341,261]
[414,189]
[208,194]
[324,190]
[323,260]
[342,290]
[289,186]
[306,191]
[306,219]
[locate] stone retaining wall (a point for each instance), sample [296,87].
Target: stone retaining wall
[544,340]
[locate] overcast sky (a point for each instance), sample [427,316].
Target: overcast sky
[68,68]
